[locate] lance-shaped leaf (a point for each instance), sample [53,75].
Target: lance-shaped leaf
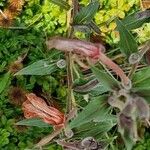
[136,19]
[3,81]
[141,81]
[63,4]
[93,129]
[100,89]
[96,111]
[33,122]
[94,27]
[105,79]
[41,67]
[92,87]
[86,87]
[127,42]
[86,14]
[140,76]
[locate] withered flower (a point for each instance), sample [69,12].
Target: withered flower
[36,107]
[6,18]
[15,5]
[15,67]
[17,95]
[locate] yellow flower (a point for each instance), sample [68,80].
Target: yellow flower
[121,14]
[104,28]
[120,3]
[112,25]
[126,7]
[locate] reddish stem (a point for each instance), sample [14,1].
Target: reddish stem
[110,64]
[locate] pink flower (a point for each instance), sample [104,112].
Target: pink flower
[36,107]
[88,49]
[84,48]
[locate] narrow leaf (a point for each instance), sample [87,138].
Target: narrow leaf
[96,110]
[87,86]
[100,89]
[63,4]
[140,76]
[105,79]
[33,122]
[41,67]
[93,129]
[95,28]
[136,19]
[141,80]
[127,42]
[3,81]
[86,14]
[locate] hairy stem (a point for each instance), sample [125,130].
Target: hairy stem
[70,16]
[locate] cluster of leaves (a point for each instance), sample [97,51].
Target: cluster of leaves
[110,9]
[27,37]
[144,33]
[144,143]
[13,44]
[97,112]
[42,18]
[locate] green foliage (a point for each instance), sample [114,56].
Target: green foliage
[4,134]
[4,81]
[44,16]
[93,129]
[144,143]
[136,19]
[13,44]
[141,81]
[127,42]
[40,19]
[105,79]
[95,111]
[33,122]
[111,9]
[143,33]
[41,67]
[63,4]
[86,14]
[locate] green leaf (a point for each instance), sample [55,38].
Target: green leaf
[41,67]
[95,28]
[4,81]
[96,111]
[141,81]
[136,19]
[140,76]
[92,86]
[86,87]
[127,42]
[100,89]
[93,129]
[33,122]
[129,143]
[86,14]
[105,79]
[63,4]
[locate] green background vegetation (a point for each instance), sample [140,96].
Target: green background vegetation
[37,21]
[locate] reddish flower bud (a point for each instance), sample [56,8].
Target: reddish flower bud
[84,48]
[36,107]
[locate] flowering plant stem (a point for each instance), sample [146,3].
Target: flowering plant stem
[70,16]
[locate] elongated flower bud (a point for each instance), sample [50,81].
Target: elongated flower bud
[91,50]
[36,107]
